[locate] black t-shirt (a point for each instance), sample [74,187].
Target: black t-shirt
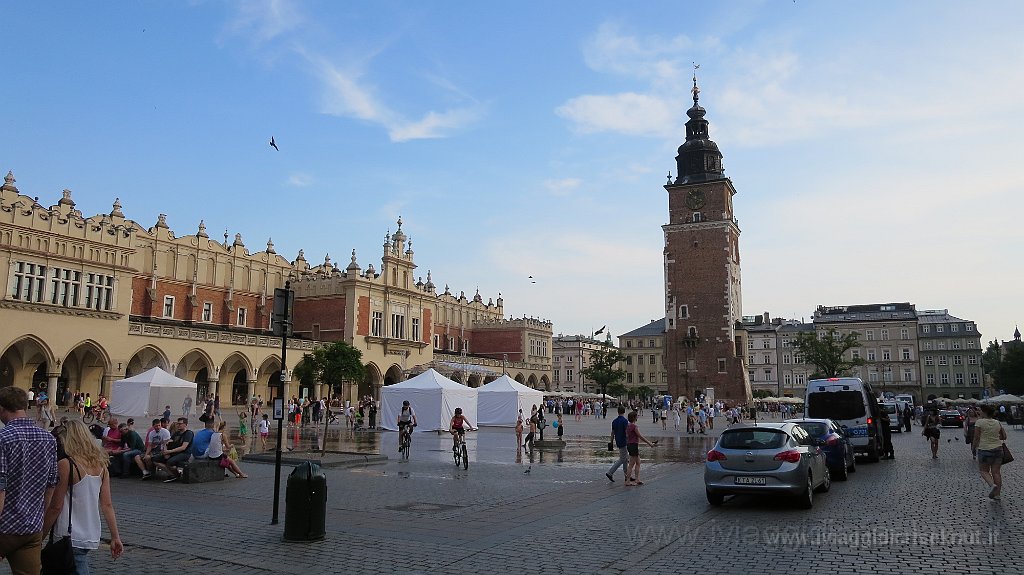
[179,439]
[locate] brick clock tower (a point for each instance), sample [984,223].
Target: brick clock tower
[704,345]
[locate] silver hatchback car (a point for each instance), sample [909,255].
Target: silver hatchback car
[767,458]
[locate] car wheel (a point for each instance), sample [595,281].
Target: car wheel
[715,499]
[806,497]
[827,483]
[842,473]
[874,453]
[852,468]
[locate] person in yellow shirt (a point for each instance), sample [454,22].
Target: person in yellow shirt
[989,436]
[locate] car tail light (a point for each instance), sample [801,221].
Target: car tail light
[870,421]
[791,456]
[715,455]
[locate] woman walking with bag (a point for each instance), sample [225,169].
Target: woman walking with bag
[81,495]
[989,436]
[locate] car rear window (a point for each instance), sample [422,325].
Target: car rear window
[814,429]
[835,405]
[753,439]
[889,408]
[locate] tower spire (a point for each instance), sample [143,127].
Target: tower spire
[695,90]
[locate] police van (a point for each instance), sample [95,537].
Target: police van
[851,403]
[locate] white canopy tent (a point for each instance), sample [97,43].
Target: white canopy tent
[433,397]
[499,402]
[149,392]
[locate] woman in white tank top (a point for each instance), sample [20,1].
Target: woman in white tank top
[85,472]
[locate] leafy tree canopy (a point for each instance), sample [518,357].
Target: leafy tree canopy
[330,364]
[827,352]
[603,369]
[1009,375]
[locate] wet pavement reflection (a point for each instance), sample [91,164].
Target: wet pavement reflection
[486,445]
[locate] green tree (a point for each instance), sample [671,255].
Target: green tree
[992,359]
[759,393]
[617,389]
[1010,374]
[827,352]
[603,368]
[331,364]
[644,391]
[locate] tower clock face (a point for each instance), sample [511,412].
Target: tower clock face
[695,199]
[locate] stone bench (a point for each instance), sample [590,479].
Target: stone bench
[201,470]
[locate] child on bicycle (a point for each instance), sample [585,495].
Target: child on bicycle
[458,427]
[406,421]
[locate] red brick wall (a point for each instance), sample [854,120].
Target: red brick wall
[428,317]
[497,342]
[328,312]
[363,316]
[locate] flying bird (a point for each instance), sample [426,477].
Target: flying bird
[533,281]
[273,144]
[600,331]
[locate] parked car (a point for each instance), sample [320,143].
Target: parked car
[839,455]
[766,459]
[851,403]
[951,418]
[895,411]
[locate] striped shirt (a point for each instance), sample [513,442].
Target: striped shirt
[28,466]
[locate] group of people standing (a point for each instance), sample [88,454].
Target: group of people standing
[626,437]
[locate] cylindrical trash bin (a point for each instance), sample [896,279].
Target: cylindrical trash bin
[305,500]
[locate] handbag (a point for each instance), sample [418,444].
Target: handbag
[1007,456]
[58,558]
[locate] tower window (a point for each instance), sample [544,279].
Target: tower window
[684,312]
[698,217]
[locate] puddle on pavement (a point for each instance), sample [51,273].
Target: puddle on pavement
[488,445]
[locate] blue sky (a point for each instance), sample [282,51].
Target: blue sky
[875,145]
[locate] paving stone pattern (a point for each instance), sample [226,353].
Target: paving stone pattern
[913,514]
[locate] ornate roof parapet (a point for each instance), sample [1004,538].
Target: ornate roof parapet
[353,266]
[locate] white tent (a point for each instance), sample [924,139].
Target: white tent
[433,397]
[498,402]
[149,392]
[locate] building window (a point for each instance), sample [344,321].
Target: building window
[958,360]
[799,378]
[766,359]
[629,360]
[651,360]
[869,335]
[416,329]
[970,327]
[451,343]
[930,379]
[886,355]
[944,378]
[905,354]
[970,344]
[750,344]
[974,379]
[721,365]
[904,333]
[885,334]
[29,282]
[940,345]
[568,375]
[556,376]
[437,343]
[207,312]
[629,343]
[908,375]
[684,312]
[942,360]
[787,379]
[64,287]
[241,316]
[765,344]
[785,343]
[855,353]
[959,379]
[786,359]
[873,377]
[692,331]
[938,329]
[99,292]
[650,343]
[927,345]
[698,217]
[168,306]
[652,377]
[767,375]
[871,355]
[929,360]
[926,328]
[954,327]
[956,345]
[752,374]
[397,326]
[377,323]
[629,378]
[750,358]
[639,360]
[972,360]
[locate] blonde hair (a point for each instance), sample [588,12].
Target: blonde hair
[221,426]
[80,445]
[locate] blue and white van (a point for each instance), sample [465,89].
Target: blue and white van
[851,403]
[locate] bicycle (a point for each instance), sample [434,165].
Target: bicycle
[96,414]
[406,442]
[460,452]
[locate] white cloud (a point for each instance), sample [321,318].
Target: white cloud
[563,187]
[653,58]
[263,20]
[628,113]
[299,180]
[433,124]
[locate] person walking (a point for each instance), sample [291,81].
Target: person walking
[618,440]
[82,494]
[519,430]
[931,431]
[633,439]
[887,450]
[969,422]
[989,436]
[186,406]
[28,466]
[908,416]
[528,444]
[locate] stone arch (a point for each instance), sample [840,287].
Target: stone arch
[520,378]
[532,381]
[394,374]
[545,382]
[146,358]
[85,367]
[20,361]
[372,380]
[196,365]
[232,377]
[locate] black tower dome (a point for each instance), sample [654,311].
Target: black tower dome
[699,159]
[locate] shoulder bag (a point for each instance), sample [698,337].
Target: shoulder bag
[58,558]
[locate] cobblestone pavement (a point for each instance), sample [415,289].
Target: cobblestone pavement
[427,516]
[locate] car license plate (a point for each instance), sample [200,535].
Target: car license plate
[751,481]
[858,431]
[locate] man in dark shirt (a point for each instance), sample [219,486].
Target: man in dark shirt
[131,445]
[28,475]
[618,439]
[176,453]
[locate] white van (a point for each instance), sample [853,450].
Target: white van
[905,398]
[851,403]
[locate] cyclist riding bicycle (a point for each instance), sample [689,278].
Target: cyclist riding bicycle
[458,426]
[406,421]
